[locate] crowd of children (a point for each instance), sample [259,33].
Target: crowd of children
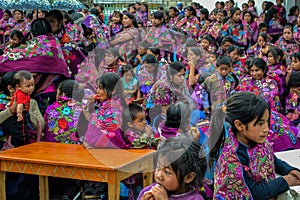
[216,93]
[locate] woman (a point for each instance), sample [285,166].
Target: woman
[127,40]
[189,25]
[173,13]
[6,24]
[249,19]
[21,23]
[237,29]
[217,25]
[282,133]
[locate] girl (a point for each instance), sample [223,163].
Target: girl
[238,69]
[137,134]
[173,12]
[282,138]
[189,24]
[195,65]
[247,165]
[293,15]
[297,30]
[6,24]
[129,82]
[249,19]
[275,29]
[179,171]
[21,23]
[237,29]
[294,67]
[62,116]
[292,104]
[16,39]
[217,25]
[261,48]
[148,75]
[287,43]
[112,61]
[143,14]
[105,118]
[116,26]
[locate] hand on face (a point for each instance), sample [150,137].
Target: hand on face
[159,193]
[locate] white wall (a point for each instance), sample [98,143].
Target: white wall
[211,4]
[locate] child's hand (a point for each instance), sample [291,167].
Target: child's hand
[20,117]
[159,193]
[147,196]
[292,180]
[297,91]
[295,173]
[148,131]
[289,69]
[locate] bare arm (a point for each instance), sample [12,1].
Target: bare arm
[125,37]
[20,107]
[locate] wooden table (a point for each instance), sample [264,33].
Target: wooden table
[73,161]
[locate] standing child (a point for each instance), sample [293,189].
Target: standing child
[137,133]
[179,171]
[17,132]
[62,116]
[129,82]
[116,25]
[218,87]
[247,165]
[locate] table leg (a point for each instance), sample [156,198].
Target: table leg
[44,187]
[113,186]
[2,185]
[148,173]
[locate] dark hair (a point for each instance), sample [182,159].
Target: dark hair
[191,9]
[8,12]
[130,113]
[289,26]
[275,51]
[245,4]
[177,116]
[203,76]
[262,25]
[71,89]
[19,35]
[233,10]
[94,11]
[154,50]
[205,12]
[245,107]
[296,56]
[224,60]
[56,14]
[225,19]
[175,10]
[20,11]
[264,36]
[259,63]
[207,37]
[174,68]
[190,42]
[249,60]
[196,51]
[6,80]
[232,48]
[222,4]
[22,75]
[293,10]
[113,51]
[185,156]
[159,15]
[151,59]
[139,3]
[226,39]
[40,26]
[130,16]
[252,1]
[119,14]
[272,12]
[223,12]
[294,80]
[110,83]
[127,68]
[251,15]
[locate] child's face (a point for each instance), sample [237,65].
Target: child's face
[131,10]
[178,79]
[157,22]
[116,18]
[142,50]
[27,86]
[261,41]
[191,57]
[204,44]
[14,41]
[172,12]
[55,25]
[213,16]
[143,8]
[6,16]
[109,58]
[212,58]
[137,6]
[271,59]
[226,45]
[128,76]
[165,176]
[187,13]
[295,64]
[247,17]
[279,2]
[287,34]
[18,16]
[139,123]
[254,133]
[298,20]
[256,73]
[102,94]
[220,16]
[244,8]
[236,16]
[263,30]
[250,3]
[234,55]
[223,70]
[149,67]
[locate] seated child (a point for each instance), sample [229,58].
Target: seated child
[130,83]
[179,171]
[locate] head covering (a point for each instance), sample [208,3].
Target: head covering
[179,4]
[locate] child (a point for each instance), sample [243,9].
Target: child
[179,171]
[18,135]
[297,30]
[247,165]
[287,43]
[62,116]
[292,101]
[129,82]
[139,59]
[206,43]
[137,133]
[218,87]
[294,67]
[16,39]
[116,25]
[148,75]
[104,122]
[225,43]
